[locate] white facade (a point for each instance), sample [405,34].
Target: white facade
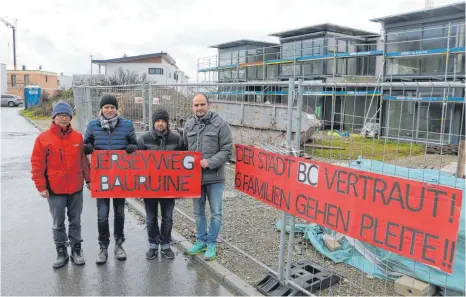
[65,82]
[167,75]
[3,79]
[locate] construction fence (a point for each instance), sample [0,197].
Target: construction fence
[409,131]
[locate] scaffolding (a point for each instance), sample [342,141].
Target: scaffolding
[435,53]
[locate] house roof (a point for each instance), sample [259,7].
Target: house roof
[132,58]
[242,42]
[322,28]
[423,14]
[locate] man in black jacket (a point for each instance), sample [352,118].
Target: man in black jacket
[160,138]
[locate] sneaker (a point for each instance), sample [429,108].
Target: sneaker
[152,254]
[168,253]
[211,252]
[198,247]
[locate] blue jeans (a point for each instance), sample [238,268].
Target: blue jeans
[213,193]
[163,234]
[60,206]
[103,209]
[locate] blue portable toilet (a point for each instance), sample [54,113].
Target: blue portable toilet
[31,96]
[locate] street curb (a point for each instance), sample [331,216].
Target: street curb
[31,122]
[228,278]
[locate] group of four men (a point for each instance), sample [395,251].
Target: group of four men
[60,167]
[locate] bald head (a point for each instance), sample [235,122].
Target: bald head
[200,105]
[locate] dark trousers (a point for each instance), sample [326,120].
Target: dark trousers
[160,236]
[60,206]
[103,209]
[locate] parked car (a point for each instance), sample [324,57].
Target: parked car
[11,100]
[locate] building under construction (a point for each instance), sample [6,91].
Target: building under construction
[419,46]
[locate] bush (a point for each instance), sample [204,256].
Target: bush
[46,102]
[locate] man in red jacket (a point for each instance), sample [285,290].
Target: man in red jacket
[59,168]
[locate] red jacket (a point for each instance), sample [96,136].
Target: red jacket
[58,161]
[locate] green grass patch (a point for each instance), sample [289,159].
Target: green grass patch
[354,146]
[31,114]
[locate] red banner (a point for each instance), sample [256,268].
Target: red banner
[414,219]
[145,174]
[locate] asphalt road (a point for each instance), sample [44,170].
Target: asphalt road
[27,249]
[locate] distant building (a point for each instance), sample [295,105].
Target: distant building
[65,82]
[18,79]
[159,67]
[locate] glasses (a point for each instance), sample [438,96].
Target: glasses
[63,115]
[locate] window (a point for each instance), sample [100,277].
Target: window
[403,66]
[46,78]
[433,64]
[26,79]
[434,37]
[225,59]
[307,48]
[409,40]
[156,71]
[13,80]
[175,76]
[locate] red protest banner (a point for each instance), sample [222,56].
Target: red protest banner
[145,174]
[414,219]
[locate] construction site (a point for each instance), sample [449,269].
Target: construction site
[390,103]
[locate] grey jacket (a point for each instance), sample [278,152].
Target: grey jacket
[211,136]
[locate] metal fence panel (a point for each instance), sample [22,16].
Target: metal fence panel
[413,125]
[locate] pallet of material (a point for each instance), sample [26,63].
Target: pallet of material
[446,149]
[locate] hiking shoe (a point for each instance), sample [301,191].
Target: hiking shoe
[120,252]
[152,254]
[168,253]
[198,247]
[62,257]
[211,252]
[102,256]
[77,254]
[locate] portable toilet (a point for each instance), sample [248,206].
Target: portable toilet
[31,96]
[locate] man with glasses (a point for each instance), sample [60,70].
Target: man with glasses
[209,134]
[59,168]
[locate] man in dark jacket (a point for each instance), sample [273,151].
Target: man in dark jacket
[160,138]
[209,134]
[59,169]
[110,132]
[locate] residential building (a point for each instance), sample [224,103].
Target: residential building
[426,45]
[18,79]
[159,67]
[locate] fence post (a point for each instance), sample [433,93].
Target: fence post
[151,102]
[297,148]
[144,94]
[289,131]
[461,159]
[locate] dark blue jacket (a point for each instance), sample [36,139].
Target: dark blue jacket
[116,139]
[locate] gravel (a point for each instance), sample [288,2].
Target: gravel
[250,225]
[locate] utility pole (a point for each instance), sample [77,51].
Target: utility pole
[91,65]
[13,27]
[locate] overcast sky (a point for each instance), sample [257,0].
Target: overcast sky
[61,35]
